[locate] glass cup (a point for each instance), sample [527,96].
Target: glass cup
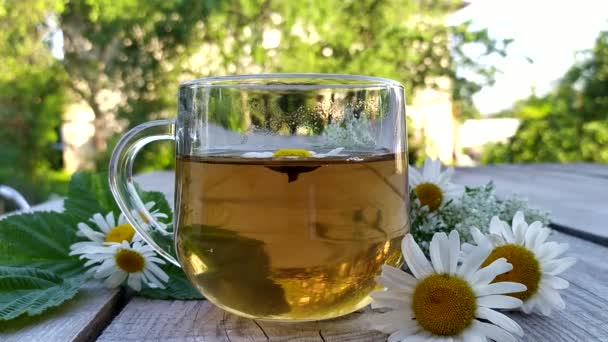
[290,190]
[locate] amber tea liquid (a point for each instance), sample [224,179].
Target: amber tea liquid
[290,239]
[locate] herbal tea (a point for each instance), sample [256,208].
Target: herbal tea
[290,239]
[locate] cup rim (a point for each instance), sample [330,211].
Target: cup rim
[297,81]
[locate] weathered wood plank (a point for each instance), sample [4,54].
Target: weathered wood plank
[576,200]
[80,319]
[584,319]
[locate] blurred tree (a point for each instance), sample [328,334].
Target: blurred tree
[569,124]
[131,49]
[408,41]
[125,58]
[31,100]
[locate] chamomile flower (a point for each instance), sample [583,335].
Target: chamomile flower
[157,215]
[432,187]
[536,262]
[108,229]
[118,262]
[444,301]
[293,153]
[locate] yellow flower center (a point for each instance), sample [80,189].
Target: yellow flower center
[526,269]
[120,233]
[444,305]
[292,153]
[129,260]
[429,194]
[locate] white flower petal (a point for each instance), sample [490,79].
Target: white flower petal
[134,281]
[429,170]
[414,177]
[105,269]
[555,282]
[479,238]
[89,233]
[334,152]
[392,320]
[557,266]
[152,280]
[157,271]
[472,261]
[258,155]
[390,299]
[499,288]
[529,305]
[496,225]
[454,252]
[499,302]
[532,233]
[495,333]
[507,232]
[542,236]
[439,245]
[500,320]
[519,233]
[115,279]
[394,278]
[551,250]
[414,257]
[471,335]
[518,220]
[100,221]
[110,220]
[488,273]
[552,297]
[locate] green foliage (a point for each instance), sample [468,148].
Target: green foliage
[31,291]
[32,96]
[37,273]
[570,124]
[42,239]
[88,194]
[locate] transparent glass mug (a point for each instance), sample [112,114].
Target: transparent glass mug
[290,190]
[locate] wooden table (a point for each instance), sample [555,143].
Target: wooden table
[577,195]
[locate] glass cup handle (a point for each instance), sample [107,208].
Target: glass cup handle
[121,177]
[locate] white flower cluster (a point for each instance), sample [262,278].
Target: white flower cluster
[474,208]
[351,132]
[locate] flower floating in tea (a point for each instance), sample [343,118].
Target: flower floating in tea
[293,171]
[444,301]
[432,187]
[536,262]
[293,153]
[117,262]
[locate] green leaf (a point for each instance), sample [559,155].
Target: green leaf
[40,239]
[88,194]
[31,291]
[178,287]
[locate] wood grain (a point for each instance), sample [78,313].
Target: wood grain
[575,194]
[584,320]
[576,199]
[79,319]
